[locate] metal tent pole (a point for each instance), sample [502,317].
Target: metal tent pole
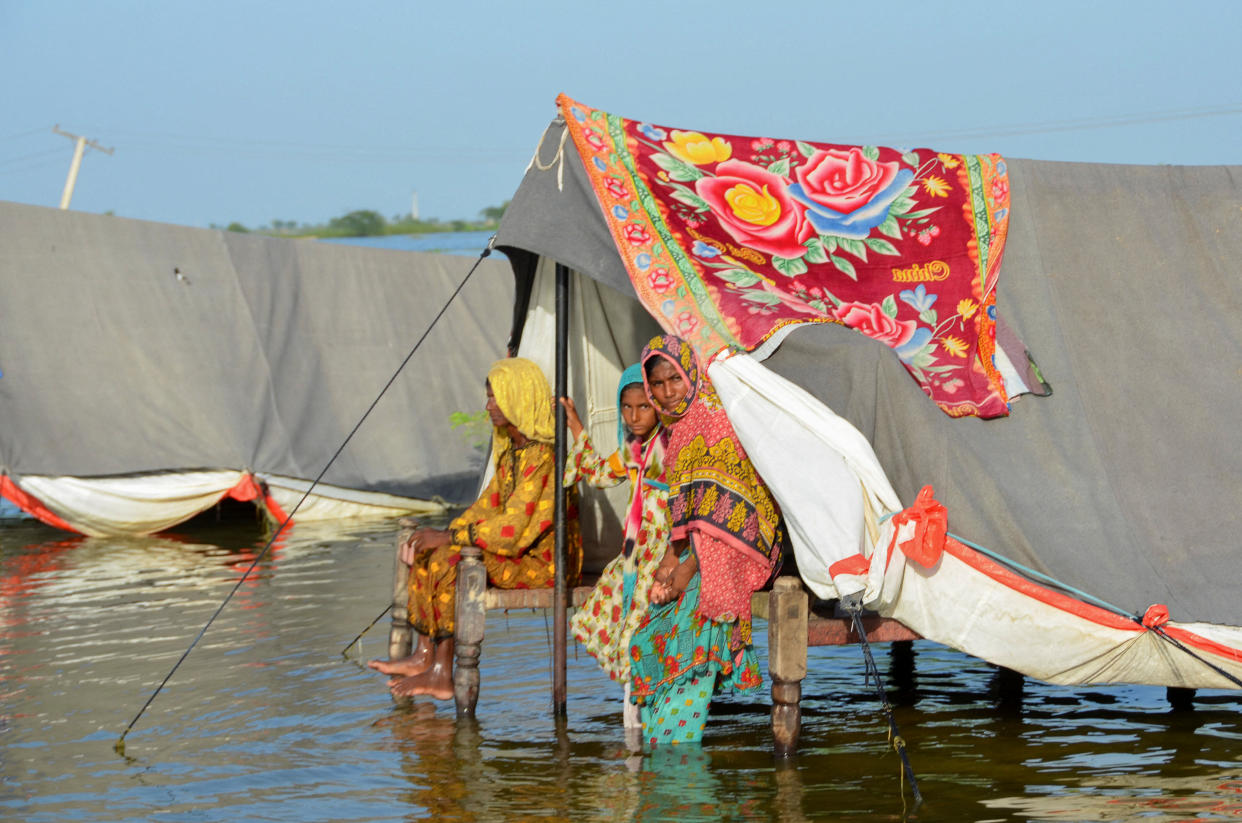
[559,616]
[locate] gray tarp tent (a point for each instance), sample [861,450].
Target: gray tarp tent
[139,349]
[1123,283]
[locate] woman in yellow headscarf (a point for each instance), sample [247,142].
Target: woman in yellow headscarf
[511,522]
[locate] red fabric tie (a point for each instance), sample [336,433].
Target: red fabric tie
[931,524]
[1156,616]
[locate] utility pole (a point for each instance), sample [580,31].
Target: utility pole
[78,149]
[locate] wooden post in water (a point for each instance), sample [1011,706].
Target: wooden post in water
[469,616]
[400,635]
[787,620]
[1008,687]
[559,606]
[901,672]
[1180,699]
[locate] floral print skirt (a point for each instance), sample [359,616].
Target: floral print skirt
[603,625]
[678,660]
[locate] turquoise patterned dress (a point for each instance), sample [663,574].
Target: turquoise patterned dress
[678,660]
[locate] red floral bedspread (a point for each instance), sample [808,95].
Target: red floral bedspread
[728,239]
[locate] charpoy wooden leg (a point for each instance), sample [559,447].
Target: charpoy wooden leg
[470,616]
[400,635]
[787,620]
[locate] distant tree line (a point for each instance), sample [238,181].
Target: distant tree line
[369,223]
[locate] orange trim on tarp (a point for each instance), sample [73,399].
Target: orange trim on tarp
[924,548]
[1157,614]
[1043,594]
[250,488]
[855,564]
[931,539]
[30,504]
[1203,644]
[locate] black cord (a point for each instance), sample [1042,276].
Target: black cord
[1159,630]
[120,743]
[873,672]
[387,609]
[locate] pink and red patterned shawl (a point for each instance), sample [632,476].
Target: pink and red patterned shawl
[729,239]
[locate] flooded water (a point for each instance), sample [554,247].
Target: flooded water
[266,720]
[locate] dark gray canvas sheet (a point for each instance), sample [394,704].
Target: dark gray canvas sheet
[1123,283]
[129,346]
[554,213]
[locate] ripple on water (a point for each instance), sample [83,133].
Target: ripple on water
[267,720]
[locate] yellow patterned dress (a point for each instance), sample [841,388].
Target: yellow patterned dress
[512,522]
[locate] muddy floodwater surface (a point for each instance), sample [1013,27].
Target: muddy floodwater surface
[267,720]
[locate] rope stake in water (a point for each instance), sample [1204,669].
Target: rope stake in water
[378,617]
[120,743]
[873,673]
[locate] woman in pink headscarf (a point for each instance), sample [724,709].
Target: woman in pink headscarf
[725,545]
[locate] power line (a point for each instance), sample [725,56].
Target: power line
[51,161]
[227,143]
[342,153]
[20,135]
[33,155]
[1079,124]
[322,155]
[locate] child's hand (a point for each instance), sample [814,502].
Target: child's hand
[661,593]
[571,417]
[665,580]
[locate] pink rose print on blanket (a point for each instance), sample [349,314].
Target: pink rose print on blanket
[871,320]
[659,280]
[637,234]
[616,188]
[754,207]
[906,337]
[847,194]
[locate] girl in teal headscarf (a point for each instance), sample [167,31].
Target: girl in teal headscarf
[616,605]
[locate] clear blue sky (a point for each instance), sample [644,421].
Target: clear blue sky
[261,110]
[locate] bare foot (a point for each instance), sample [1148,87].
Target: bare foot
[416,663]
[431,683]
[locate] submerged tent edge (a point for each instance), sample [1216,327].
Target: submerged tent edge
[139,504]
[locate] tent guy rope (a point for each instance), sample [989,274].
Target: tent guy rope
[119,746]
[854,608]
[349,645]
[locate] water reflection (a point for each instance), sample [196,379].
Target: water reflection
[440,759]
[266,720]
[1131,797]
[676,783]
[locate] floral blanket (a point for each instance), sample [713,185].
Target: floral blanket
[729,239]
